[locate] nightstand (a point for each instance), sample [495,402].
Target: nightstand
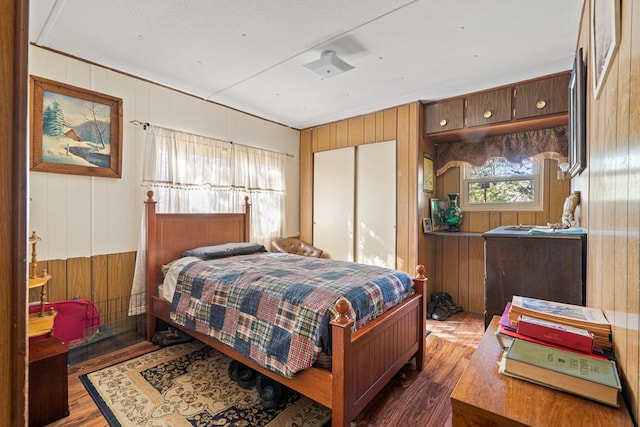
[48,383]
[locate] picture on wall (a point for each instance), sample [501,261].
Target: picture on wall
[74,130]
[578,116]
[427,170]
[605,35]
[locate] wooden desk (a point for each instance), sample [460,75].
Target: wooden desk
[484,397]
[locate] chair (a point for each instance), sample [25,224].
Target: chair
[295,246]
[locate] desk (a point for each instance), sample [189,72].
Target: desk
[484,397]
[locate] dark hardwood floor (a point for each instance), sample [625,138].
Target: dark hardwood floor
[411,399]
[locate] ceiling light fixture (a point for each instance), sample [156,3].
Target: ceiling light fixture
[328,65]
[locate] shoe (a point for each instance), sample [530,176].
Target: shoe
[270,392]
[440,312]
[242,374]
[446,299]
[431,307]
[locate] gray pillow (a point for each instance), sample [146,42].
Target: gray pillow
[225,250]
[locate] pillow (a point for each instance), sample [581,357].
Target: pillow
[225,250]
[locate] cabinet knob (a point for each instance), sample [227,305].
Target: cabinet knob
[540,105]
[487,114]
[443,122]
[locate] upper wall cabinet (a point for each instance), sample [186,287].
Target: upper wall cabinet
[528,105]
[489,107]
[541,97]
[444,116]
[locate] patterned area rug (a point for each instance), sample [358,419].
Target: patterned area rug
[188,385]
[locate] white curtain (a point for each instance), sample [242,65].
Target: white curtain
[195,174]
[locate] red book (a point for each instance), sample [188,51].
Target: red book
[554,333]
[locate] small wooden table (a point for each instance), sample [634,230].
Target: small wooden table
[484,397]
[48,383]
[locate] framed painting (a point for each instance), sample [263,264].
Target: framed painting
[438,206]
[426,225]
[578,116]
[74,130]
[605,35]
[427,170]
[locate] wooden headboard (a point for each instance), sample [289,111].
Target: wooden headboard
[168,235]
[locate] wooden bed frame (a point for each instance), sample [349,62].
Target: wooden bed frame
[362,362]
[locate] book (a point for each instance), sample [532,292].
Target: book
[555,333]
[570,372]
[591,319]
[506,336]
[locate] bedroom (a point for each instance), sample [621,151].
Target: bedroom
[602,184]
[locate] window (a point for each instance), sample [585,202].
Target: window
[501,185]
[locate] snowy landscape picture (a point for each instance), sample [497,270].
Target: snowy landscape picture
[75,130]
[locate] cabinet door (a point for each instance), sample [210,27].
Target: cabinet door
[541,97]
[489,107]
[333,202]
[444,116]
[376,204]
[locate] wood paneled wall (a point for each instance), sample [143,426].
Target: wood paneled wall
[104,279]
[402,124]
[454,264]
[610,187]
[457,261]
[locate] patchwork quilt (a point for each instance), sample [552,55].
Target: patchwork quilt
[275,308]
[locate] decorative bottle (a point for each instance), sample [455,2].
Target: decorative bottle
[453,214]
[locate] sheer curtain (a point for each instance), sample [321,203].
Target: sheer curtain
[195,174]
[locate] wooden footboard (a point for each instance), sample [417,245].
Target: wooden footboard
[363,362]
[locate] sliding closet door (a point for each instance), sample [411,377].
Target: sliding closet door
[333,202]
[376,204]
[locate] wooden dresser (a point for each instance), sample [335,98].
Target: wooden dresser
[48,383]
[484,397]
[544,266]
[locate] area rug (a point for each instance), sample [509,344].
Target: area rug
[188,385]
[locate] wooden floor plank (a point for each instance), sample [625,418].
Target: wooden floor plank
[411,399]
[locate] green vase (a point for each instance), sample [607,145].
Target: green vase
[453,214]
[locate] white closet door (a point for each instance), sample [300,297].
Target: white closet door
[376,204]
[333,202]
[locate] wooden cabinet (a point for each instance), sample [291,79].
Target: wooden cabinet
[444,116]
[48,386]
[541,97]
[533,104]
[487,108]
[485,397]
[543,266]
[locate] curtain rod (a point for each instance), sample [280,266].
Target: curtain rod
[145,125]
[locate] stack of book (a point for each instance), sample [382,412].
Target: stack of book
[556,345]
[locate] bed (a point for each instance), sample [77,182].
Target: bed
[362,361]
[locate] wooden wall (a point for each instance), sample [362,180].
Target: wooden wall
[610,187]
[402,124]
[104,279]
[457,261]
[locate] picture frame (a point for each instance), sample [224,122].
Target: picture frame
[427,170]
[426,225]
[438,206]
[74,130]
[605,35]
[578,116]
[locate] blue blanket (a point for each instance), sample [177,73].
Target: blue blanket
[275,308]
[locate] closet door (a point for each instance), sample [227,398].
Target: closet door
[376,204]
[333,202]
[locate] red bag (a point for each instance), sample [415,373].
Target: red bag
[77,320]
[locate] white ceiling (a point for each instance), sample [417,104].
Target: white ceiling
[249,55]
